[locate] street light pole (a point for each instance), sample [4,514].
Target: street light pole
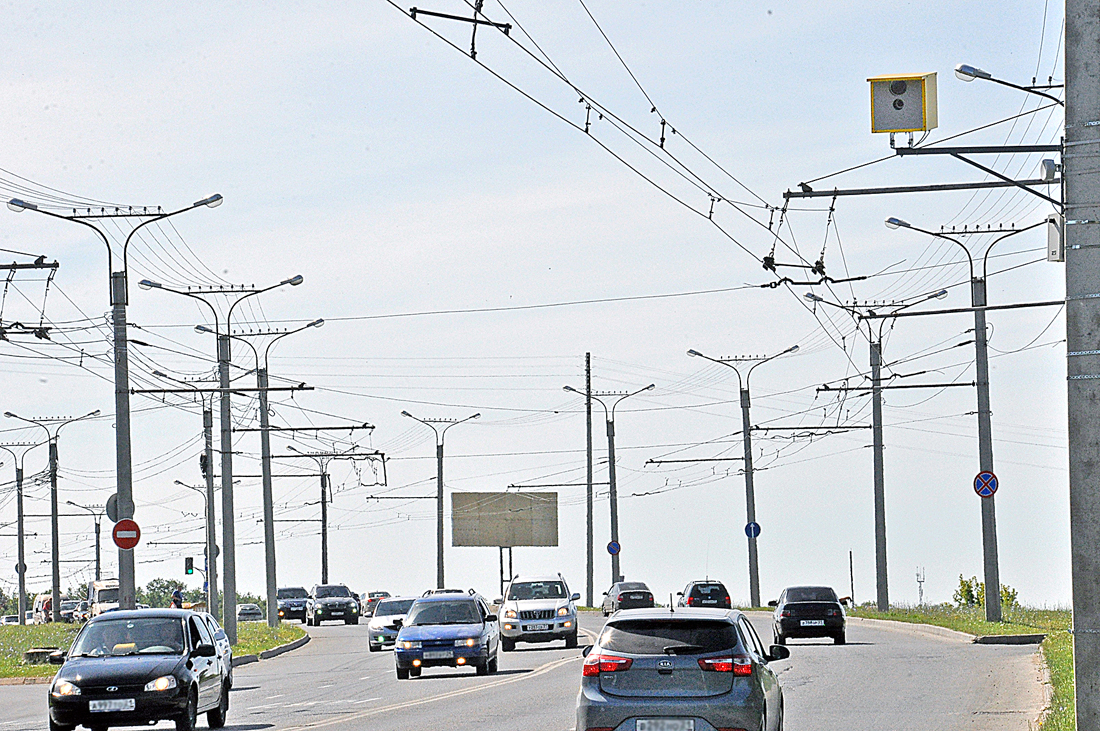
[119,299]
[211,548]
[55,536]
[439,436]
[21,564]
[97,515]
[746,433]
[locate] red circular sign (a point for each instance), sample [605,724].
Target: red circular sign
[126,533]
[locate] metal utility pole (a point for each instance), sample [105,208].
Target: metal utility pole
[211,549]
[324,527]
[1082,196]
[439,434]
[752,528]
[119,300]
[55,539]
[613,493]
[97,515]
[588,492]
[229,550]
[21,564]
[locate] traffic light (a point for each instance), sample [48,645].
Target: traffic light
[188,565]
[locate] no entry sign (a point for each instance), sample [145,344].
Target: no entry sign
[126,533]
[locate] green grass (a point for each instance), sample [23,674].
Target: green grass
[1057,648]
[15,639]
[255,637]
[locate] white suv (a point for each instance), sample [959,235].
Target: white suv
[537,609]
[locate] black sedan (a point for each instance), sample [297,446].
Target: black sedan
[808,611]
[134,668]
[626,595]
[292,602]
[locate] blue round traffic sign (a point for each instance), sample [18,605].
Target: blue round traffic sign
[985,484]
[752,529]
[613,548]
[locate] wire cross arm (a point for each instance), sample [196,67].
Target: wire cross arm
[234,389]
[505,27]
[824,280]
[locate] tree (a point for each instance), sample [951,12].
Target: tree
[971,593]
[158,592]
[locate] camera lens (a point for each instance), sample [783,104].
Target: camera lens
[898,104]
[897,88]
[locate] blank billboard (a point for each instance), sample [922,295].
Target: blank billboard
[504,519]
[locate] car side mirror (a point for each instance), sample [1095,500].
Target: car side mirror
[204,651]
[576,597]
[585,650]
[220,635]
[605,593]
[499,600]
[490,618]
[57,658]
[846,601]
[679,593]
[398,622]
[778,652]
[773,603]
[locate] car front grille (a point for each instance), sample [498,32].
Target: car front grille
[537,614]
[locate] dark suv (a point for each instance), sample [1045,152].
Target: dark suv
[331,602]
[292,602]
[705,594]
[808,611]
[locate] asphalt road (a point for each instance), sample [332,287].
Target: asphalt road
[884,678]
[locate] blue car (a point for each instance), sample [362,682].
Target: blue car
[447,630]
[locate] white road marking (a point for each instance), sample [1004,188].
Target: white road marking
[365,700]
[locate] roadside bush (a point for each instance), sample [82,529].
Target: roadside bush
[971,593]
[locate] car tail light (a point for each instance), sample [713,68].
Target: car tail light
[691,601]
[738,664]
[832,612]
[728,602]
[785,613]
[649,597]
[620,598]
[596,664]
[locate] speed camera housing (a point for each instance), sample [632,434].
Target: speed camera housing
[903,103]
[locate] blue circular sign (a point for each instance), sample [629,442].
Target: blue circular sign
[752,530]
[985,484]
[613,548]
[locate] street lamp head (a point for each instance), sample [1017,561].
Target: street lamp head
[291,448]
[650,387]
[149,284]
[570,389]
[969,73]
[940,295]
[476,416]
[316,323]
[19,206]
[896,223]
[813,297]
[792,349]
[158,374]
[694,353]
[10,415]
[293,281]
[406,413]
[212,202]
[204,329]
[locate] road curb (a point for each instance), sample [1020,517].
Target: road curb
[1009,639]
[916,628]
[245,660]
[275,651]
[34,680]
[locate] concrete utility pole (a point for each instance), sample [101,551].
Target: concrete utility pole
[210,549]
[613,492]
[746,437]
[229,540]
[97,515]
[439,434]
[119,299]
[1082,206]
[21,564]
[55,538]
[590,542]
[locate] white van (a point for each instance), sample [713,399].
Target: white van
[103,596]
[39,613]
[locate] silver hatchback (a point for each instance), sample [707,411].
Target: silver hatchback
[687,670]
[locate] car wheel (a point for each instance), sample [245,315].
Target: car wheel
[780,640]
[507,644]
[402,673]
[215,718]
[303,619]
[415,672]
[571,641]
[493,664]
[839,639]
[482,668]
[186,722]
[60,727]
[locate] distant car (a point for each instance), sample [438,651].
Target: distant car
[538,609]
[68,610]
[705,594]
[11,619]
[292,603]
[429,592]
[132,668]
[692,669]
[330,603]
[368,600]
[447,630]
[626,595]
[221,641]
[28,617]
[249,613]
[808,611]
[382,630]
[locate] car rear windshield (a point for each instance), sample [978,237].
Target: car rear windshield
[633,586]
[329,591]
[104,596]
[708,589]
[387,608]
[456,612]
[145,636]
[664,636]
[293,593]
[524,590]
[811,594]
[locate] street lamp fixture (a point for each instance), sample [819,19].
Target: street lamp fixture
[894,223]
[969,73]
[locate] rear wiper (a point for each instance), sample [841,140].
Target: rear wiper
[685,649]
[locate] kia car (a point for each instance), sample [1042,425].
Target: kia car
[331,603]
[382,632]
[808,611]
[131,668]
[683,670]
[446,630]
[292,602]
[705,593]
[538,609]
[626,595]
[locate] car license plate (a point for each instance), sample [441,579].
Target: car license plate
[537,627]
[636,596]
[438,654]
[665,724]
[812,623]
[338,613]
[119,704]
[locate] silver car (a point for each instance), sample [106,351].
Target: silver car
[249,613]
[382,631]
[537,609]
[221,642]
[683,670]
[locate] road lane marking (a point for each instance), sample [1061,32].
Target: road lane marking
[270,697]
[365,700]
[541,670]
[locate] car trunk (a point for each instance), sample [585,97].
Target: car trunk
[664,677]
[811,610]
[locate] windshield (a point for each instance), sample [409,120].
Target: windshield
[69,605]
[456,612]
[657,637]
[146,636]
[522,591]
[104,596]
[324,592]
[811,594]
[391,607]
[708,589]
[633,586]
[295,592]
[376,594]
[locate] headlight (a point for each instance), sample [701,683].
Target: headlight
[353,608]
[164,682]
[564,612]
[318,609]
[409,645]
[470,642]
[510,614]
[65,688]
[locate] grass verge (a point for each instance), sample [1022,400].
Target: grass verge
[15,639]
[255,637]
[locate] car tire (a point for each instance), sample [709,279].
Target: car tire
[571,641]
[215,717]
[402,673]
[507,644]
[839,638]
[60,727]
[303,619]
[493,665]
[482,668]
[780,639]
[187,721]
